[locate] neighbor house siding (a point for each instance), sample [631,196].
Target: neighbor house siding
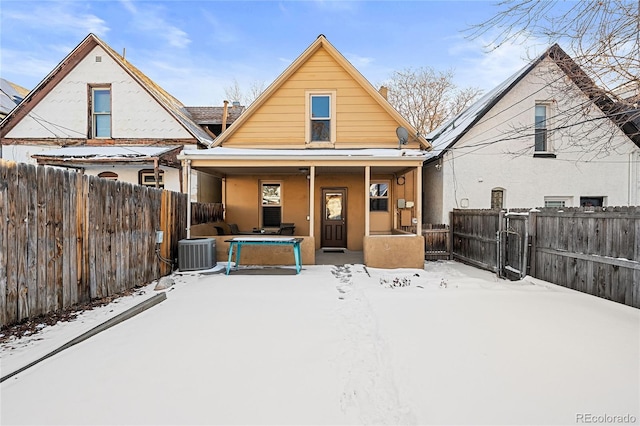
[578,170]
[63,113]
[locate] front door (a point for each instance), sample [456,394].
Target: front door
[334,217]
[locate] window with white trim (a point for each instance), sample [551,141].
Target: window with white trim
[592,201]
[557,202]
[320,117]
[100,112]
[379,197]
[541,128]
[271,207]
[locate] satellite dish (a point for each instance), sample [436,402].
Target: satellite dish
[403,136]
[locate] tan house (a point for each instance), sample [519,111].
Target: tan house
[323,150]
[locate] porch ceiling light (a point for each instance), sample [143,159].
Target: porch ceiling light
[303,170]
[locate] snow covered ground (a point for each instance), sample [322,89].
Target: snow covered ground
[337,345]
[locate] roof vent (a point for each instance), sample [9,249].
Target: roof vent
[98,58]
[235,103]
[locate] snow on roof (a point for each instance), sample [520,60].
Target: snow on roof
[9,96]
[96,152]
[447,134]
[238,152]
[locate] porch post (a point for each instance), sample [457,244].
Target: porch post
[367,184]
[188,168]
[418,187]
[312,192]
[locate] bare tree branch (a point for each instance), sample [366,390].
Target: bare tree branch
[427,98]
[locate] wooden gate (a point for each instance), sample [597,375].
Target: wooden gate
[512,245]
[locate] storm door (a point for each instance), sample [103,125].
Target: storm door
[334,217]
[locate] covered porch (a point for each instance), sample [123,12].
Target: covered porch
[360,200]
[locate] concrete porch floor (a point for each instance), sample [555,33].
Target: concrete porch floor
[339,258]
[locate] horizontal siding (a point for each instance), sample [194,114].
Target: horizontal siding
[360,120]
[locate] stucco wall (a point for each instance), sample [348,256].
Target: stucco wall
[22,153]
[243,198]
[266,255]
[432,200]
[490,156]
[394,251]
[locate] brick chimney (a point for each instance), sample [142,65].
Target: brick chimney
[384,91]
[224,115]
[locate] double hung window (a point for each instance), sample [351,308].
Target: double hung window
[541,140]
[379,197]
[321,117]
[100,112]
[271,204]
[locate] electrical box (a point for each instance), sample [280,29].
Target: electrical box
[401,203]
[405,218]
[409,204]
[159,237]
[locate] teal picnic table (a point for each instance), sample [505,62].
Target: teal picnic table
[238,242]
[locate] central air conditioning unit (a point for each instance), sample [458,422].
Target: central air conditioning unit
[196,254]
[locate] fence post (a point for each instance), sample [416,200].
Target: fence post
[450,238]
[501,248]
[533,216]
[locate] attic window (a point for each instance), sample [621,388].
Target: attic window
[98,58]
[321,117]
[100,101]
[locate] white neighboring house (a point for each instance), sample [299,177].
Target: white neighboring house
[98,113]
[539,139]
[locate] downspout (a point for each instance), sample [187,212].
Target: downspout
[188,168]
[418,202]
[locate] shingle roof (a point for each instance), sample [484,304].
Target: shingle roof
[449,133]
[213,114]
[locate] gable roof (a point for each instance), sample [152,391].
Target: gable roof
[319,43]
[445,136]
[172,105]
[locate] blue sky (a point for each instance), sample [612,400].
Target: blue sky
[194,49]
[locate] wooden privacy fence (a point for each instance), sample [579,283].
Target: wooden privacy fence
[474,237]
[206,212]
[437,241]
[67,238]
[593,250]
[596,251]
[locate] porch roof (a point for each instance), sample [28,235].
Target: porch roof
[78,155]
[221,160]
